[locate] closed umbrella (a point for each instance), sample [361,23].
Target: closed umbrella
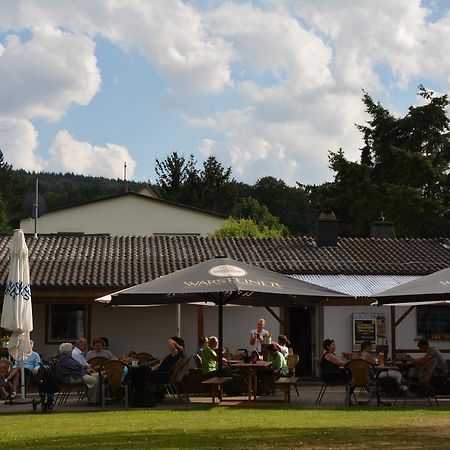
[17,314]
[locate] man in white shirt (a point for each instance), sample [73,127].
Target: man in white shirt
[78,354]
[257,336]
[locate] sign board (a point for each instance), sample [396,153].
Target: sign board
[369,327]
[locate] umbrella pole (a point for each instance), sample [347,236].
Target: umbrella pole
[219,350]
[22,377]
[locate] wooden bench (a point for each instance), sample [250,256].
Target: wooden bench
[285,383]
[214,382]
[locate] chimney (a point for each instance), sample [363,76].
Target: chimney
[327,230]
[382,229]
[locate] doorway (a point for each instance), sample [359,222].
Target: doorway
[300,334]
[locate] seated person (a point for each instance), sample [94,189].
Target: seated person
[73,372]
[202,343]
[31,363]
[282,345]
[333,367]
[210,361]
[366,353]
[99,350]
[441,367]
[278,368]
[162,371]
[78,354]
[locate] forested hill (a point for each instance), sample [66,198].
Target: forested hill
[68,189]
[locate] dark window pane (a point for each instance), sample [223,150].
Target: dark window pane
[67,322]
[433,320]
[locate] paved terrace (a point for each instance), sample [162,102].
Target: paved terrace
[333,398]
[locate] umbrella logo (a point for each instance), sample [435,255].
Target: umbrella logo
[18,288]
[227,271]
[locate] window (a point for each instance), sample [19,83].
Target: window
[67,322]
[433,321]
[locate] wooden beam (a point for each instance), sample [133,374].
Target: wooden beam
[275,315]
[393,334]
[404,315]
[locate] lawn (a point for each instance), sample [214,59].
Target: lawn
[229,428]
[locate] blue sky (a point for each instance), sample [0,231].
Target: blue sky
[267,87]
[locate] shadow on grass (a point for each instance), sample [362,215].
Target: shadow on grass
[252,437]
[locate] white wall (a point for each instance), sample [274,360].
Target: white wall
[338,323]
[147,329]
[128,215]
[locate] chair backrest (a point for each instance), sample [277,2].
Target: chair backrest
[427,371]
[292,361]
[178,371]
[144,357]
[113,370]
[360,371]
[198,361]
[97,361]
[5,367]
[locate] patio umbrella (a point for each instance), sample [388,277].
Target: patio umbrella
[17,313]
[431,289]
[224,281]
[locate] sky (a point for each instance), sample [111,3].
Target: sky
[267,87]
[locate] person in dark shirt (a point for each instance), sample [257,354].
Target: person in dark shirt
[162,372]
[333,367]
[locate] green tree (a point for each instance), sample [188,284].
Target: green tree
[404,172]
[172,173]
[217,190]
[289,204]
[241,228]
[250,208]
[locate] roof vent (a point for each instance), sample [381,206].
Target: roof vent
[327,229]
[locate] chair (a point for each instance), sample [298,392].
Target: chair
[5,367]
[359,369]
[327,379]
[144,357]
[292,361]
[198,361]
[421,383]
[180,370]
[97,361]
[113,371]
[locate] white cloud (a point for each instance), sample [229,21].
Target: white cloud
[71,155]
[42,77]
[18,143]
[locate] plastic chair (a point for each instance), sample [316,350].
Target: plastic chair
[360,370]
[421,383]
[292,361]
[113,370]
[179,371]
[198,361]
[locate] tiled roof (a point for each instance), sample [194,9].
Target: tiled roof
[104,261]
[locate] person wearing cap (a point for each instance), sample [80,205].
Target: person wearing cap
[423,345]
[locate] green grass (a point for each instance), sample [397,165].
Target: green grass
[222,427]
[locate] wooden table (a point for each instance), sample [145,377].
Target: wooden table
[250,371]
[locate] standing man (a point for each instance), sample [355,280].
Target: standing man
[257,336]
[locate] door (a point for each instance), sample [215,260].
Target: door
[300,334]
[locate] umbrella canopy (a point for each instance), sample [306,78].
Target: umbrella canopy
[434,288]
[17,314]
[225,281]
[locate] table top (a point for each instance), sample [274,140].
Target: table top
[259,363]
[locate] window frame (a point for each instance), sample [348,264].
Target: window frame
[48,324]
[429,333]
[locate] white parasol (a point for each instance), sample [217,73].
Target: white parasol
[17,315]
